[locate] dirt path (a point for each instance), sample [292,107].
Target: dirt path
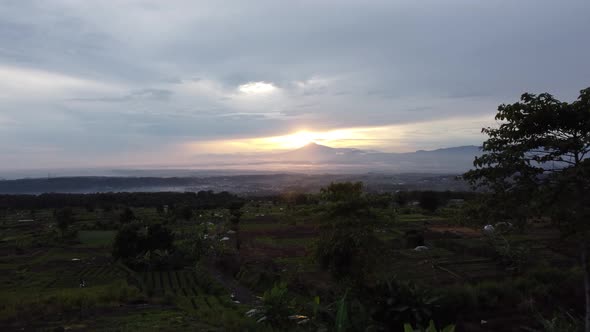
[241,293]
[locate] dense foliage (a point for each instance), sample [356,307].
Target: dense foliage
[199,200]
[538,157]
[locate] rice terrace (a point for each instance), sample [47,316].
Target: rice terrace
[217,268]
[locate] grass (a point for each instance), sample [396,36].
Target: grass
[96,238]
[160,319]
[26,306]
[285,242]
[249,226]
[418,217]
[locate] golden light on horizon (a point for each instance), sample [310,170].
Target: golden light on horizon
[292,141]
[391,138]
[351,137]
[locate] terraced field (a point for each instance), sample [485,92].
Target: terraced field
[192,292]
[92,275]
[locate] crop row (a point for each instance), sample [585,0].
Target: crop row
[182,283]
[90,275]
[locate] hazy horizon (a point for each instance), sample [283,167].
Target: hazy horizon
[313,158]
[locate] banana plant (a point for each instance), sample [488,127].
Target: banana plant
[431,328]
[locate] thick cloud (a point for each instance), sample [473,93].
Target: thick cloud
[98,82]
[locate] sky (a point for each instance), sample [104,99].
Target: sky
[107,83]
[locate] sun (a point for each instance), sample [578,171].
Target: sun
[292,141]
[301,138]
[361,137]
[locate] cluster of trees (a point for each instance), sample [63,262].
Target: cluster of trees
[98,183]
[144,247]
[199,200]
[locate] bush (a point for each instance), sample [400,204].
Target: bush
[511,255]
[429,201]
[152,250]
[127,216]
[276,307]
[431,328]
[491,294]
[562,322]
[259,275]
[393,303]
[127,242]
[457,299]
[347,252]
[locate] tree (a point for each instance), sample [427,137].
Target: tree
[401,199]
[127,242]
[429,201]
[158,237]
[126,216]
[64,218]
[185,212]
[130,242]
[235,210]
[3,214]
[347,243]
[539,154]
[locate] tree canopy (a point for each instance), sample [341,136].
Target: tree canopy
[539,153]
[539,150]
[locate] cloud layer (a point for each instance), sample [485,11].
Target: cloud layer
[135,82]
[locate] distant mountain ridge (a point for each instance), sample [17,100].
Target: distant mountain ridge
[311,159]
[453,159]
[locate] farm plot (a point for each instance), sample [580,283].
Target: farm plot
[437,266]
[96,238]
[263,237]
[179,283]
[191,291]
[92,275]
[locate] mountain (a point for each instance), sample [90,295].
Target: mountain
[454,159]
[317,153]
[310,159]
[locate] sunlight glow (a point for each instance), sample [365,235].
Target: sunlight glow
[292,141]
[391,138]
[350,138]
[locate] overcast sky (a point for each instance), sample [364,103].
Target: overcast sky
[156,82]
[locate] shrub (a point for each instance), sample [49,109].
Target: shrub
[562,322]
[126,216]
[276,307]
[64,218]
[347,252]
[393,303]
[429,201]
[457,299]
[152,250]
[431,328]
[491,294]
[259,275]
[513,256]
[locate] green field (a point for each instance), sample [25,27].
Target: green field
[42,269]
[96,238]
